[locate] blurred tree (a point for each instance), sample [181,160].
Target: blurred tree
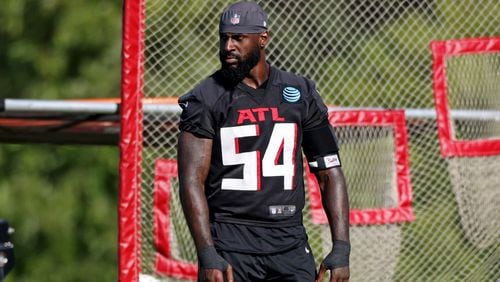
[60,49]
[60,199]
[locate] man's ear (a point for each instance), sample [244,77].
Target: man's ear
[263,39]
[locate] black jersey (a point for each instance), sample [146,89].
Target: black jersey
[256,170]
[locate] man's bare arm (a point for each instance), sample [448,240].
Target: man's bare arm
[193,159]
[336,205]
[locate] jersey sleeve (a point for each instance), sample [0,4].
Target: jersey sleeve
[317,111]
[195,116]
[319,141]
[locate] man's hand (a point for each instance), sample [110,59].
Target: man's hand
[337,261]
[336,275]
[216,275]
[213,266]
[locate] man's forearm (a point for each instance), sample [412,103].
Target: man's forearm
[335,202]
[196,213]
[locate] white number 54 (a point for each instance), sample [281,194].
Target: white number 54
[282,143]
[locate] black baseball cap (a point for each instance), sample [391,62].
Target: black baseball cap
[243,17]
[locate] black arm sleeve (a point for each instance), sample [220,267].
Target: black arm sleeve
[320,141]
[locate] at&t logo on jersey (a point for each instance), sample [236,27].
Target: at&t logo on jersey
[291,94]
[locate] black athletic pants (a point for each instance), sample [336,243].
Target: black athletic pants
[294,265]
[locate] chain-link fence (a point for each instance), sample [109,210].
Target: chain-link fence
[362,54]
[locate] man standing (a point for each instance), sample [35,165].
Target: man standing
[241,168]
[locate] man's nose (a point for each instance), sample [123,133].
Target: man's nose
[229,45]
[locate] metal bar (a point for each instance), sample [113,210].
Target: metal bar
[63,106]
[431,113]
[161,108]
[59,106]
[455,114]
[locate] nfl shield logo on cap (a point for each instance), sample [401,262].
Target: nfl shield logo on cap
[235,19]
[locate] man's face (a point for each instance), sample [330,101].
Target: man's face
[238,54]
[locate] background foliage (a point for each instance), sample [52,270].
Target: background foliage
[61,200]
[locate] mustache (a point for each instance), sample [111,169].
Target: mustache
[224,54]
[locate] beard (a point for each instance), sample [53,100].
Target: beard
[232,74]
